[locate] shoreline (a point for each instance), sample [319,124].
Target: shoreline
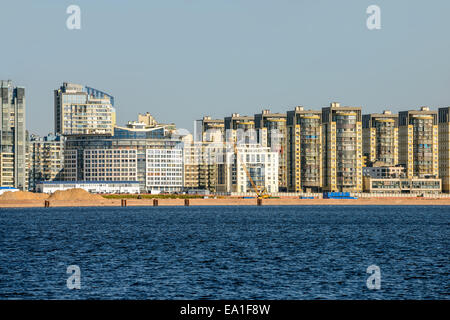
[225,202]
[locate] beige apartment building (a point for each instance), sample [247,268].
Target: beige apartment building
[418,143]
[271,132]
[444,148]
[380,138]
[342,148]
[304,150]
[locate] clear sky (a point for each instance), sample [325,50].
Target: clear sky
[180,60]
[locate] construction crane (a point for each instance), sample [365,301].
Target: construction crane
[261,192]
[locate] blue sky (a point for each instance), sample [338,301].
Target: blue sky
[180,60]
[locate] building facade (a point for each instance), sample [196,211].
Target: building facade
[240,129]
[46,159]
[83,110]
[209,130]
[271,132]
[380,138]
[13,171]
[124,156]
[444,148]
[200,160]
[304,150]
[402,185]
[342,148]
[164,169]
[261,164]
[418,142]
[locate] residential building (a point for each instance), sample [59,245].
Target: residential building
[83,110]
[418,142]
[209,130]
[240,129]
[261,164]
[271,132]
[444,148]
[304,150]
[12,137]
[46,158]
[380,138]
[342,148]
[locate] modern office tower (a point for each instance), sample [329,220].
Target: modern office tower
[444,148]
[380,138]
[123,156]
[304,150]
[46,158]
[418,142]
[12,138]
[342,148]
[209,130]
[261,164]
[271,132]
[240,129]
[83,110]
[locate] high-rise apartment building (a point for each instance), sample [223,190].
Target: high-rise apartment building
[304,150]
[240,129]
[12,138]
[46,157]
[271,132]
[380,138]
[418,142]
[209,130]
[83,110]
[342,148]
[444,148]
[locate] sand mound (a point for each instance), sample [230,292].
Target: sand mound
[74,194]
[23,195]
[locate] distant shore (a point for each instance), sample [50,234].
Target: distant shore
[223,202]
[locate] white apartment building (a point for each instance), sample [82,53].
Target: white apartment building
[261,165]
[164,169]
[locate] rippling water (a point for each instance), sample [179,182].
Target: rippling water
[308,252]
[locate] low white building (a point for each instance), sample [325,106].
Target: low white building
[131,187]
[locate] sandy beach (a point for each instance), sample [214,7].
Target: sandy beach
[223,202]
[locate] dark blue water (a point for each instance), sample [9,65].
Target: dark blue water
[225,252]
